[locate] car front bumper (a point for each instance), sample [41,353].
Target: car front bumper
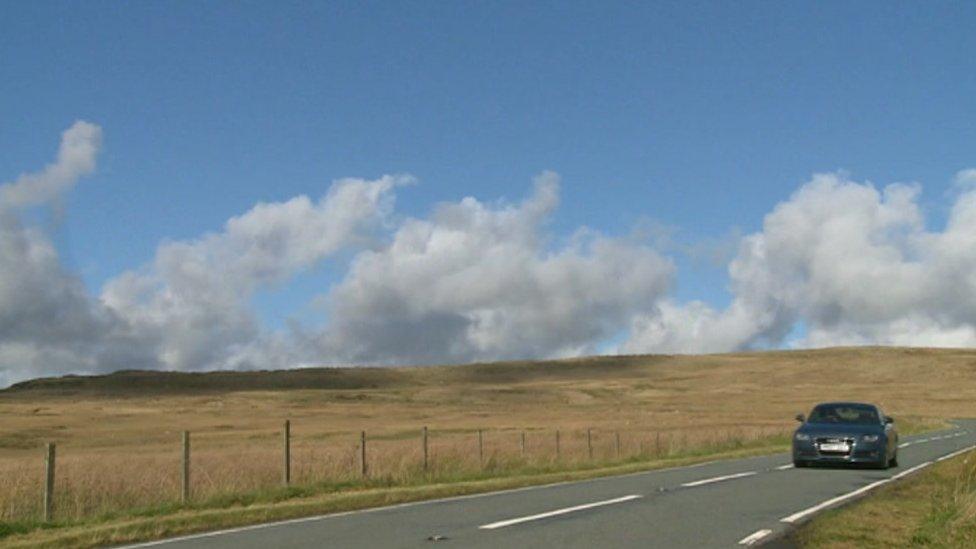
[860,453]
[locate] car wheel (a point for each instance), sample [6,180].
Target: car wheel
[797,463]
[894,460]
[883,464]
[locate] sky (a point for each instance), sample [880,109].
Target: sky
[196,186]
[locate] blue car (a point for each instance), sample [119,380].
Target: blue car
[846,433]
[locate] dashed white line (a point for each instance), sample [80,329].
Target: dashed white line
[785,467]
[718,479]
[904,444]
[557,512]
[754,537]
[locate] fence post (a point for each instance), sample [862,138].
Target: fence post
[286,477]
[617,445]
[425,448]
[522,444]
[362,452]
[589,443]
[481,449]
[185,488]
[49,483]
[557,443]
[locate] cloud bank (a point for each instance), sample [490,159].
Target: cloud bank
[850,263]
[854,264]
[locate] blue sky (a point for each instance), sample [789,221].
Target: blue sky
[696,116]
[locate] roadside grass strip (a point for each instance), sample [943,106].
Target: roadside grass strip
[844,497]
[557,512]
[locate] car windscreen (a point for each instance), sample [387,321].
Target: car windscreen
[844,413]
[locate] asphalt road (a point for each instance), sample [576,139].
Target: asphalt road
[718,504]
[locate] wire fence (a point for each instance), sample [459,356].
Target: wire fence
[70,484]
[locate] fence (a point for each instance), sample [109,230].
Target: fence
[89,484]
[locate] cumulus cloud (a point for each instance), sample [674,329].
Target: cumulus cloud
[76,158]
[851,263]
[854,264]
[194,299]
[476,281]
[48,322]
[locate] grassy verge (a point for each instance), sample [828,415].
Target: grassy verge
[936,508]
[287,503]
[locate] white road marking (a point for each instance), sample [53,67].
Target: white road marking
[921,440]
[557,512]
[785,467]
[954,454]
[833,501]
[408,504]
[907,472]
[904,444]
[718,479]
[754,537]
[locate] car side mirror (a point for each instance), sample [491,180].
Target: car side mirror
[800,418]
[889,419]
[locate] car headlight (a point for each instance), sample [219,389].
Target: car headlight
[802,436]
[870,438]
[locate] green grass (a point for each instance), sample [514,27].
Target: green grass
[935,508]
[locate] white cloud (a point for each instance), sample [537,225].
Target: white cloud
[480,282]
[855,264]
[76,158]
[194,299]
[48,322]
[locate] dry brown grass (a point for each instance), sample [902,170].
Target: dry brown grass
[118,437]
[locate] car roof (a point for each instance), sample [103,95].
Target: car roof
[846,403]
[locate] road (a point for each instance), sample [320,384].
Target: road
[718,504]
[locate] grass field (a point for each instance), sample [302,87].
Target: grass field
[118,435]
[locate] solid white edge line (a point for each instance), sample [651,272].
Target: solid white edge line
[907,472]
[811,510]
[718,479]
[956,453]
[754,537]
[833,501]
[557,512]
[785,467]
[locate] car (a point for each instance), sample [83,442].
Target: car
[841,433]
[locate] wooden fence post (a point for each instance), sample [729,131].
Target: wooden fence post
[481,448]
[522,444]
[362,452]
[185,488]
[589,443]
[425,448]
[286,472]
[557,443]
[617,445]
[49,483]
